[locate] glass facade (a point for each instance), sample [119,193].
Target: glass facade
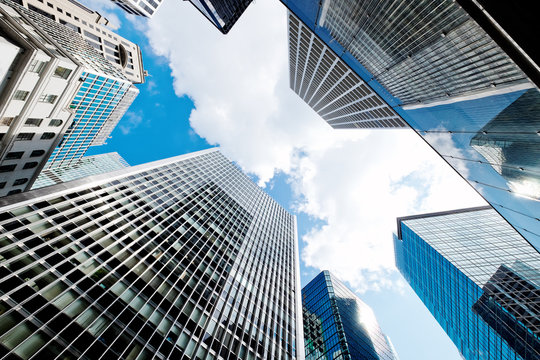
[183,258]
[478,277]
[222,13]
[99,102]
[444,76]
[330,87]
[338,325]
[87,166]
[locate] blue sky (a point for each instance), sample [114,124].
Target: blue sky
[346,187]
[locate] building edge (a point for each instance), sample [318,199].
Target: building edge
[300,351]
[16,200]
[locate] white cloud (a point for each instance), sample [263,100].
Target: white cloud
[130,121]
[357,181]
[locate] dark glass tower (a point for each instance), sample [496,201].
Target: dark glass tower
[439,70]
[183,258]
[478,278]
[338,325]
[223,14]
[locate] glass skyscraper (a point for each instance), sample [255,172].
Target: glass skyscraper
[478,277]
[99,105]
[87,166]
[223,14]
[180,258]
[338,325]
[441,73]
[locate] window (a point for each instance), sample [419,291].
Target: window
[6,121]
[24,136]
[48,98]
[50,5]
[62,72]
[37,153]
[20,95]
[47,135]
[20,181]
[37,66]
[30,165]
[92,36]
[7,168]
[71,26]
[2,135]
[55,122]
[2,185]
[14,155]
[33,122]
[42,12]
[16,191]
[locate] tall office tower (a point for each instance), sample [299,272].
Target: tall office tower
[99,105]
[38,80]
[442,74]
[123,54]
[145,8]
[330,87]
[87,166]
[103,96]
[513,29]
[420,50]
[338,325]
[180,258]
[478,277]
[223,14]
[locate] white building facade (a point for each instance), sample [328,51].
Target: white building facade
[38,82]
[122,53]
[99,94]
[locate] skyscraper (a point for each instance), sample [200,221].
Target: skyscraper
[441,73]
[223,14]
[478,277]
[330,87]
[145,8]
[99,105]
[38,80]
[338,325]
[180,258]
[87,166]
[103,96]
[122,53]
[513,30]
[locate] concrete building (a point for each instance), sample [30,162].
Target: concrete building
[38,80]
[122,53]
[180,258]
[100,95]
[87,166]
[478,277]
